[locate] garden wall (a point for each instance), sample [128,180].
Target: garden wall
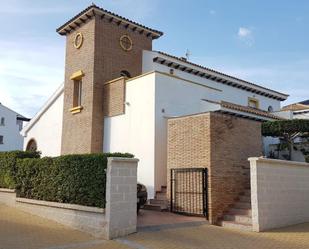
[279,193]
[117,219]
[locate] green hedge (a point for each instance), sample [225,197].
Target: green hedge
[76,179]
[8,166]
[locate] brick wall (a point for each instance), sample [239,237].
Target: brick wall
[233,141]
[101,59]
[76,134]
[222,144]
[114,97]
[188,147]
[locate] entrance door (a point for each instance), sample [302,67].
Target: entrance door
[189,191]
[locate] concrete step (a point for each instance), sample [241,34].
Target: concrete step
[242,205]
[236,225]
[161,196]
[240,211]
[156,201]
[244,219]
[155,207]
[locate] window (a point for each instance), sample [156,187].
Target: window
[2,121]
[20,124]
[125,73]
[31,146]
[1,139]
[254,103]
[270,108]
[77,94]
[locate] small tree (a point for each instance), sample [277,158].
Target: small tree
[287,131]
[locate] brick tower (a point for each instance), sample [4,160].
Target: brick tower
[99,46]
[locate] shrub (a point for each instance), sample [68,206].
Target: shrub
[287,131]
[75,179]
[8,166]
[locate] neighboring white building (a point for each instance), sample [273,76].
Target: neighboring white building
[11,123]
[168,86]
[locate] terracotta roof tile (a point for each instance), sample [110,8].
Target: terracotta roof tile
[249,110]
[93,6]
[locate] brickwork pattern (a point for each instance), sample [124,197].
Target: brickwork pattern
[222,144]
[101,59]
[114,97]
[188,147]
[76,134]
[233,141]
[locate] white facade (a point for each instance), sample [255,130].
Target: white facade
[134,132]
[150,99]
[10,126]
[46,126]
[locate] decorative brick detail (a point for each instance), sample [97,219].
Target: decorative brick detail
[101,58]
[221,143]
[114,97]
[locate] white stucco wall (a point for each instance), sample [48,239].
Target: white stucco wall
[230,94]
[142,130]
[12,140]
[175,97]
[46,127]
[279,193]
[134,132]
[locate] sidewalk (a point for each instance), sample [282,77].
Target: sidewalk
[19,230]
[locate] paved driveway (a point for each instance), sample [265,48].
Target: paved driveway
[19,230]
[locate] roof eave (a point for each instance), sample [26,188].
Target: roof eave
[93,10]
[258,88]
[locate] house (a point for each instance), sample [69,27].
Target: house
[298,110]
[119,94]
[11,124]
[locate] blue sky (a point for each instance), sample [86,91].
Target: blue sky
[265,42]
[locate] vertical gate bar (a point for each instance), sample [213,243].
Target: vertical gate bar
[171,189]
[187,192]
[194,191]
[182,194]
[190,192]
[203,193]
[206,193]
[198,185]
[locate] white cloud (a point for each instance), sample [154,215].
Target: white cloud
[29,73]
[246,36]
[244,32]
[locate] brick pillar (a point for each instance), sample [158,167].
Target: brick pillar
[121,197]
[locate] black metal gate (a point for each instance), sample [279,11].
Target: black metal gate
[189,193]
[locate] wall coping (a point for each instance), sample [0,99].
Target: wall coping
[7,190]
[61,205]
[123,159]
[277,161]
